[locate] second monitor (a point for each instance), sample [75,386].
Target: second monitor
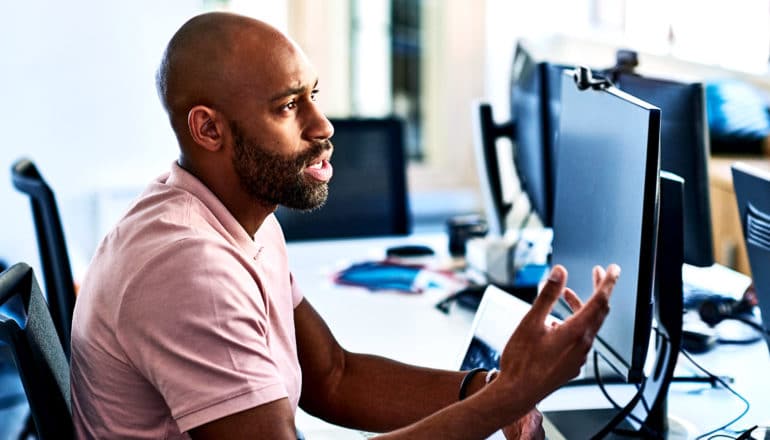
[684,149]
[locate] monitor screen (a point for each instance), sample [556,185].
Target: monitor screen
[684,149]
[367,194]
[535,108]
[606,210]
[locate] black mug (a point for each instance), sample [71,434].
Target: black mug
[461,229]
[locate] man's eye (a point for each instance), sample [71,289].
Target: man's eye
[291,105]
[314,95]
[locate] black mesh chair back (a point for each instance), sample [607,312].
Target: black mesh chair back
[26,326]
[57,272]
[368,192]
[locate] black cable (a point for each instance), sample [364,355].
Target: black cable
[756,326]
[747,433]
[525,222]
[445,303]
[748,341]
[727,387]
[644,400]
[644,430]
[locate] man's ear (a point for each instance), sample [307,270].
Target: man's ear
[205,126]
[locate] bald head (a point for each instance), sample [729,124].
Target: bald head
[211,59]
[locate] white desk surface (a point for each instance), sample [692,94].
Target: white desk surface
[408,328]
[403,326]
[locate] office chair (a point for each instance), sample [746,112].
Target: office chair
[57,272]
[367,194]
[26,326]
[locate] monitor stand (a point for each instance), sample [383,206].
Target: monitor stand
[599,423]
[563,425]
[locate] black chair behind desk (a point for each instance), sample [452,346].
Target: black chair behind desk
[57,272]
[367,193]
[26,326]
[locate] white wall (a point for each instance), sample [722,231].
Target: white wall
[78,97]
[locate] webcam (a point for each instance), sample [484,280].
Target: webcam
[585,80]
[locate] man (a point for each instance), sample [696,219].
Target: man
[188,321]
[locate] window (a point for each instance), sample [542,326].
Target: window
[721,33]
[406,44]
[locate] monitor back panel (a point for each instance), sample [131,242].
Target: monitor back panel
[605,209]
[535,108]
[684,149]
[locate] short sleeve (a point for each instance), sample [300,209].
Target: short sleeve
[195,324]
[296,292]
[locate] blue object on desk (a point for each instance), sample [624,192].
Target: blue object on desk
[376,275]
[530,275]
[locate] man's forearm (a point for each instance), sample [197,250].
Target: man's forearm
[476,417]
[378,394]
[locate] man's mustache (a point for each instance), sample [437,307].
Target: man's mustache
[316,148]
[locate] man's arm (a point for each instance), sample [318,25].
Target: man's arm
[274,420]
[377,394]
[364,391]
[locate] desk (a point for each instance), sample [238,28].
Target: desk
[408,328]
[405,327]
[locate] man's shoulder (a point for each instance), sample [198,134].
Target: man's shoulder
[163,231]
[163,214]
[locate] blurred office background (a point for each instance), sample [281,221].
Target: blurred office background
[78,94]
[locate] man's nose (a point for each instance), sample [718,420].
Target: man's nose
[319,127]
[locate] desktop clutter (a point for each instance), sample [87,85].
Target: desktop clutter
[515,263]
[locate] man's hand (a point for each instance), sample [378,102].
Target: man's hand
[529,427]
[539,358]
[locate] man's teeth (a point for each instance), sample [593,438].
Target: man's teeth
[318,165]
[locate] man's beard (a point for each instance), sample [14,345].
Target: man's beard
[276,179]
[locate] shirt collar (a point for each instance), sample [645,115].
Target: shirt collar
[183,179]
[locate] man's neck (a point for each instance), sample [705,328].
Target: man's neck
[249,213]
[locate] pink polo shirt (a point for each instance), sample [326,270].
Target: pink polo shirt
[182,318]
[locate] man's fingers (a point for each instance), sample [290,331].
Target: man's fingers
[572,299]
[597,307]
[553,288]
[598,275]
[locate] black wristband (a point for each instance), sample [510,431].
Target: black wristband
[467,381]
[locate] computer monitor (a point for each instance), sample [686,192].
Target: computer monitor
[684,149]
[485,135]
[606,210]
[752,193]
[535,96]
[368,192]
